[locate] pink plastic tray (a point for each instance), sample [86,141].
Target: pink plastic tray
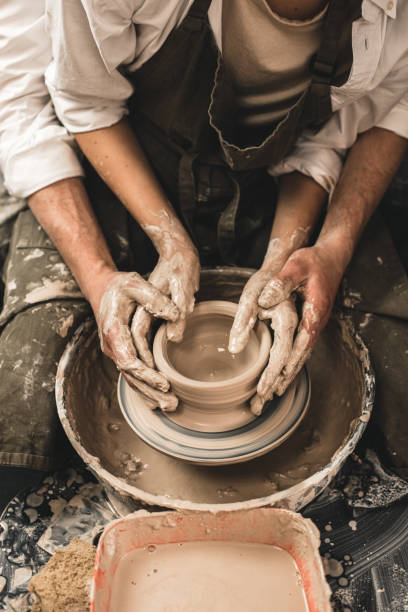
[282,528]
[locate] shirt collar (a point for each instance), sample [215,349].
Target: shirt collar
[388,6]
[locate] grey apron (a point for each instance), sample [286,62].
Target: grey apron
[184,116]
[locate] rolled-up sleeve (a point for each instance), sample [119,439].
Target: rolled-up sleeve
[314,157]
[320,154]
[35,150]
[88,93]
[397,119]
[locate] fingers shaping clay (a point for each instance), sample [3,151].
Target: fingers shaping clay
[212,384]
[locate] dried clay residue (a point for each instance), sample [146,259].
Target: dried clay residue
[49,290]
[65,326]
[64,583]
[370,486]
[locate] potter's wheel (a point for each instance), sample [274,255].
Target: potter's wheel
[255,437]
[289,476]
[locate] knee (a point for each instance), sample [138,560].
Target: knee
[32,343]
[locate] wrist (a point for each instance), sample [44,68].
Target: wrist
[339,243]
[95,284]
[274,265]
[168,234]
[180,244]
[335,251]
[277,254]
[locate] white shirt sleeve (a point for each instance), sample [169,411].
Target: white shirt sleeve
[397,119]
[320,154]
[88,92]
[35,150]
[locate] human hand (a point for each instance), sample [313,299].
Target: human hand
[122,293]
[177,274]
[314,274]
[283,321]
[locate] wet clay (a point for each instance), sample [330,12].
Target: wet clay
[336,404]
[203,354]
[202,576]
[212,385]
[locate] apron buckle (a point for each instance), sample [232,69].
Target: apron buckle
[321,69]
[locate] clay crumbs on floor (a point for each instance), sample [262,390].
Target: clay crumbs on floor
[64,583]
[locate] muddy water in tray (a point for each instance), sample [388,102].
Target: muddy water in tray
[202,576]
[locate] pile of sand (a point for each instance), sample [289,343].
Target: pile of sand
[64,583]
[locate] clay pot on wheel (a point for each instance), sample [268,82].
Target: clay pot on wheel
[204,375]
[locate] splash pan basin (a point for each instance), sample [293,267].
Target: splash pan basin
[289,476]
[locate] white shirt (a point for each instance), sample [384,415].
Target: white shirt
[79,44]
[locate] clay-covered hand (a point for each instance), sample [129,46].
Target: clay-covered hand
[314,274]
[177,274]
[122,294]
[283,321]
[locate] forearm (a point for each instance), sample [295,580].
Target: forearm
[298,208]
[64,211]
[118,158]
[368,170]
[300,204]
[315,272]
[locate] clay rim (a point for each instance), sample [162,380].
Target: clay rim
[221,307]
[292,498]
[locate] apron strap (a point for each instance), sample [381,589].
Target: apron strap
[318,106]
[197,15]
[226,228]
[186,190]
